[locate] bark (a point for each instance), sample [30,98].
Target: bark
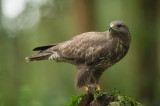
[148,69]
[84,15]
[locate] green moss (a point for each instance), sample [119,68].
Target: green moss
[122,100]
[114,93]
[75,100]
[98,94]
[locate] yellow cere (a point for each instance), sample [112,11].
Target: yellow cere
[111,25]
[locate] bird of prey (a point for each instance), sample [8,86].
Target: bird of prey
[91,52]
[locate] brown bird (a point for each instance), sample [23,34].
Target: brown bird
[91,52]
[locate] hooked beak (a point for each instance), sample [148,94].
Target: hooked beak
[111,27]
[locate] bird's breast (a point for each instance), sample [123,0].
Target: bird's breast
[115,52]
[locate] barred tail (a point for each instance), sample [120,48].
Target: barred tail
[37,57]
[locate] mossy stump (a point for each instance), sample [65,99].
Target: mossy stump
[94,97]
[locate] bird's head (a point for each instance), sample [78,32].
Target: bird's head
[119,27]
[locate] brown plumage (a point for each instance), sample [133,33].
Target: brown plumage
[91,52]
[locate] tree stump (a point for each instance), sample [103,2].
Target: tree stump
[94,97]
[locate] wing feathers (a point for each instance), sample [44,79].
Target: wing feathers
[43,47]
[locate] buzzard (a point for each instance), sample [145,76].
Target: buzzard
[91,52]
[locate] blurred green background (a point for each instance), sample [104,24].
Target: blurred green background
[25,24]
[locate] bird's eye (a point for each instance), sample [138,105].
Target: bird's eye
[119,25]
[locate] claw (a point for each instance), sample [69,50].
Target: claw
[86,88]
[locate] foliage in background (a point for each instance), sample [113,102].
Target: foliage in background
[43,22]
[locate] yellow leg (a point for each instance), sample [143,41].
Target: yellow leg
[86,88]
[98,87]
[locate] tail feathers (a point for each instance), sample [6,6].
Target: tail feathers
[37,57]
